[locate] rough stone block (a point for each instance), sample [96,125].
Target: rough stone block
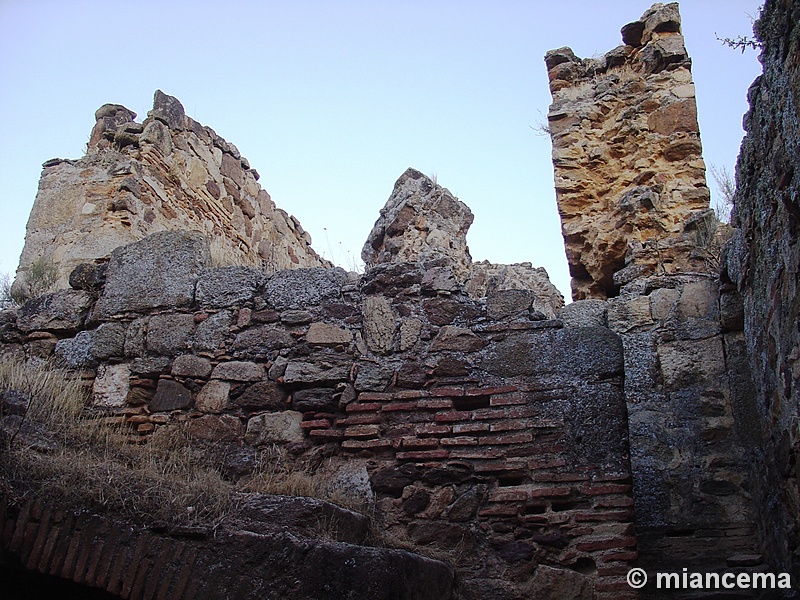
[300,288]
[158,271]
[213,397]
[223,287]
[239,371]
[170,395]
[189,365]
[169,334]
[456,338]
[64,310]
[325,334]
[275,428]
[111,386]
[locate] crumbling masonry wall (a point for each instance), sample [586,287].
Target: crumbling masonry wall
[762,263]
[478,428]
[629,175]
[168,172]
[643,248]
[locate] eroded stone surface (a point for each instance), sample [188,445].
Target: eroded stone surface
[167,173]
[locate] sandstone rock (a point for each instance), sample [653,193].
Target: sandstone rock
[314,400]
[325,334]
[239,371]
[650,179]
[168,109]
[379,324]
[189,365]
[164,174]
[159,271]
[170,395]
[321,368]
[111,386]
[216,428]
[296,317]
[169,334]
[487,278]
[262,394]
[57,311]
[421,222]
[227,286]
[213,397]
[274,428]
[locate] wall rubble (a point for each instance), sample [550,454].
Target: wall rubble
[469,423]
[629,175]
[168,172]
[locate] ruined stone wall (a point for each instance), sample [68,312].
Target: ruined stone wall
[762,262]
[629,175]
[631,190]
[168,172]
[479,429]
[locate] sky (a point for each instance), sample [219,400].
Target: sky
[331,101]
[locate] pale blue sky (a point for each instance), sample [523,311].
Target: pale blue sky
[332,101]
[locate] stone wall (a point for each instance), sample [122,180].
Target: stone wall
[631,190]
[168,172]
[762,262]
[629,175]
[479,429]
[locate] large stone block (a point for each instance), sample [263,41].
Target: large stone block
[301,288]
[159,271]
[227,286]
[274,428]
[64,310]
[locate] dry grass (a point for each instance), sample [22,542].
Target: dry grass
[167,479]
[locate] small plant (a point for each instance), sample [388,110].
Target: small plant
[727,189]
[741,42]
[39,278]
[6,296]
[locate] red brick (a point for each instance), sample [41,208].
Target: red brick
[535,464]
[615,569]
[513,425]
[499,440]
[470,427]
[616,502]
[504,466]
[490,413]
[362,431]
[461,440]
[551,492]
[137,589]
[521,412]
[316,424]
[555,477]
[508,494]
[39,543]
[627,556]
[185,574]
[454,415]
[326,434]
[360,419]
[452,392]
[398,406]
[47,552]
[363,406]
[409,442]
[622,516]
[410,394]
[374,397]
[435,403]
[509,399]
[362,444]
[605,488]
[488,391]
[423,455]
[607,544]
[476,454]
[499,510]
[431,429]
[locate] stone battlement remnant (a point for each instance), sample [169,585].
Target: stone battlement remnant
[168,172]
[629,175]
